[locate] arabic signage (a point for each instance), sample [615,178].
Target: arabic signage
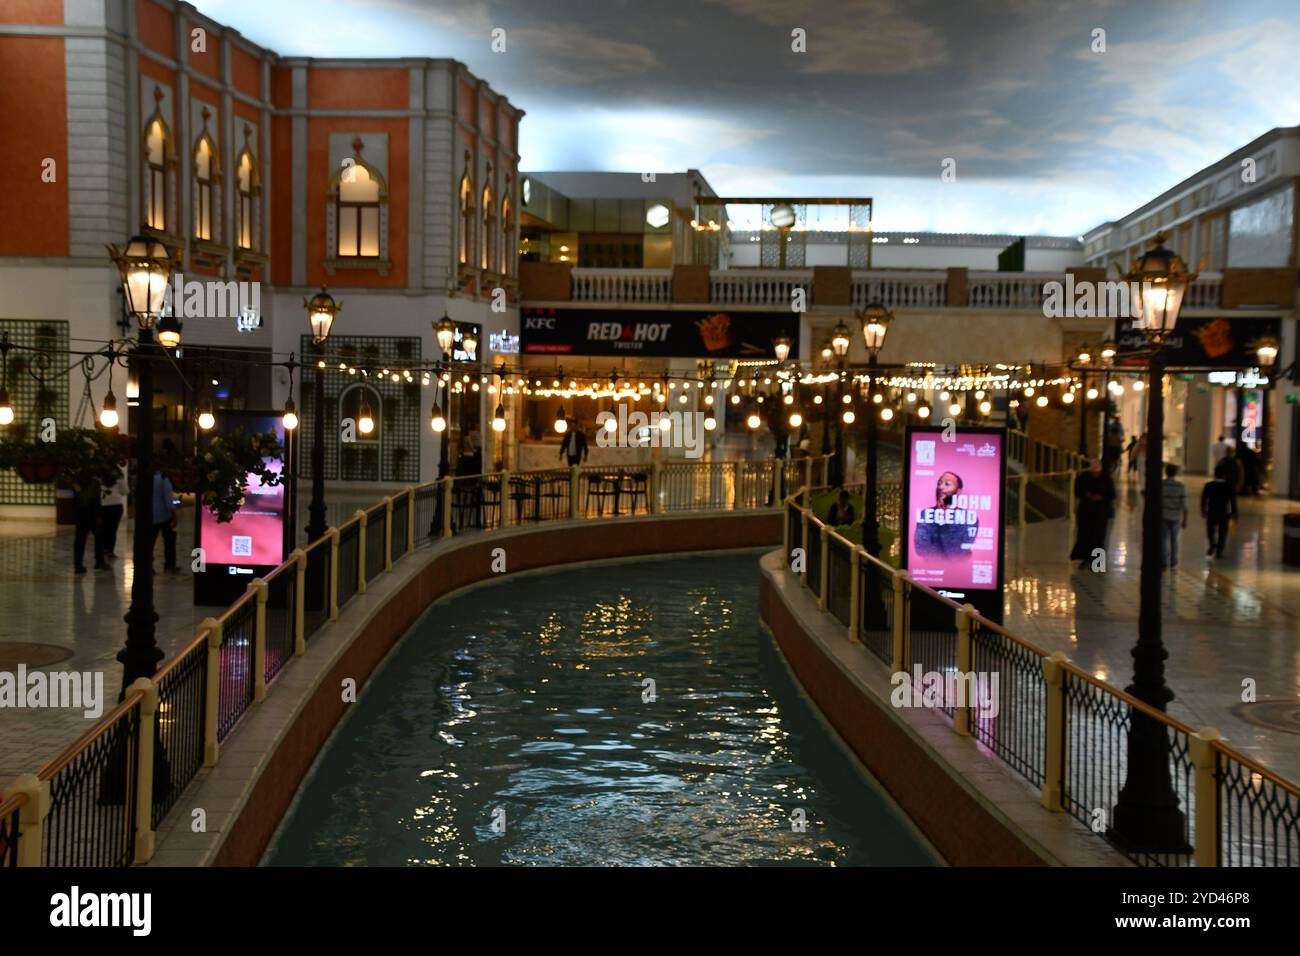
[1200,342]
[662,334]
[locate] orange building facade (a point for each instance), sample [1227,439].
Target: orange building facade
[391,181]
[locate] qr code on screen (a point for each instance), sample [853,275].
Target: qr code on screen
[241,545]
[981,574]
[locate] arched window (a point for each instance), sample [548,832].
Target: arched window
[466,217]
[358,213]
[359,449]
[205,172]
[507,234]
[249,186]
[488,258]
[158,150]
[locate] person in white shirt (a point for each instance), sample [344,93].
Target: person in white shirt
[112,504]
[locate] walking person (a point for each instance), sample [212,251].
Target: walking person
[164,519]
[574,447]
[1218,507]
[1131,451]
[87,521]
[1173,512]
[1096,506]
[1142,457]
[1217,452]
[111,507]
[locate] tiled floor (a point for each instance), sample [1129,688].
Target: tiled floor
[1225,620]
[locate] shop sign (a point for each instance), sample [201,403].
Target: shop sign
[1200,343]
[662,334]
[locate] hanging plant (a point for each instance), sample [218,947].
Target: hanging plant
[83,459]
[229,463]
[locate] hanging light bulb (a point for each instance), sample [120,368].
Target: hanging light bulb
[1068,398]
[561,423]
[979,396]
[1092,393]
[665,423]
[943,396]
[366,421]
[986,407]
[611,424]
[788,398]
[710,422]
[877,398]
[911,398]
[290,417]
[1139,385]
[923,411]
[108,416]
[886,414]
[954,409]
[6,410]
[735,399]
[1029,391]
[499,419]
[437,421]
[1042,401]
[206,419]
[753,421]
[708,399]
[796,420]
[849,417]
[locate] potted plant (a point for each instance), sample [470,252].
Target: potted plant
[230,463]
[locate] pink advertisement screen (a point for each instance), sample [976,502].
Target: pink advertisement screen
[954,509]
[256,534]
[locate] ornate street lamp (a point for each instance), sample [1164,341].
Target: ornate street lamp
[875,319]
[321,312]
[1266,350]
[841,339]
[145,266]
[1108,352]
[781,346]
[1146,816]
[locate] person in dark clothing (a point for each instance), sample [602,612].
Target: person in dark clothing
[841,512]
[1250,465]
[1218,506]
[574,446]
[1096,506]
[87,519]
[1131,451]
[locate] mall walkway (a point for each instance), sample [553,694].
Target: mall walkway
[1225,619]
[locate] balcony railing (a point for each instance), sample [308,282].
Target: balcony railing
[896,288]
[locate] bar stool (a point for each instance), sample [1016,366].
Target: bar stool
[601,487]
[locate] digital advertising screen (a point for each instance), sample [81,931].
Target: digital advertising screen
[253,541]
[953,499]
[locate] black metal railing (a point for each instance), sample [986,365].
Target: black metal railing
[426,509]
[316,590]
[814,559]
[839,580]
[10,820]
[91,819]
[236,676]
[281,618]
[401,517]
[375,542]
[349,555]
[1097,726]
[876,594]
[1259,817]
[1017,732]
[179,754]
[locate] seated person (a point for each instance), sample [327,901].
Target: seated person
[841,512]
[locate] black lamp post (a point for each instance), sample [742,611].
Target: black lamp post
[145,266]
[1108,350]
[1085,358]
[841,338]
[875,320]
[445,330]
[321,312]
[1147,817]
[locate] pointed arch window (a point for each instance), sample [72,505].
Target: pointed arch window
[487,260]
[205,162]
[248,186]
[466,217]
[158,151]
[507,233]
